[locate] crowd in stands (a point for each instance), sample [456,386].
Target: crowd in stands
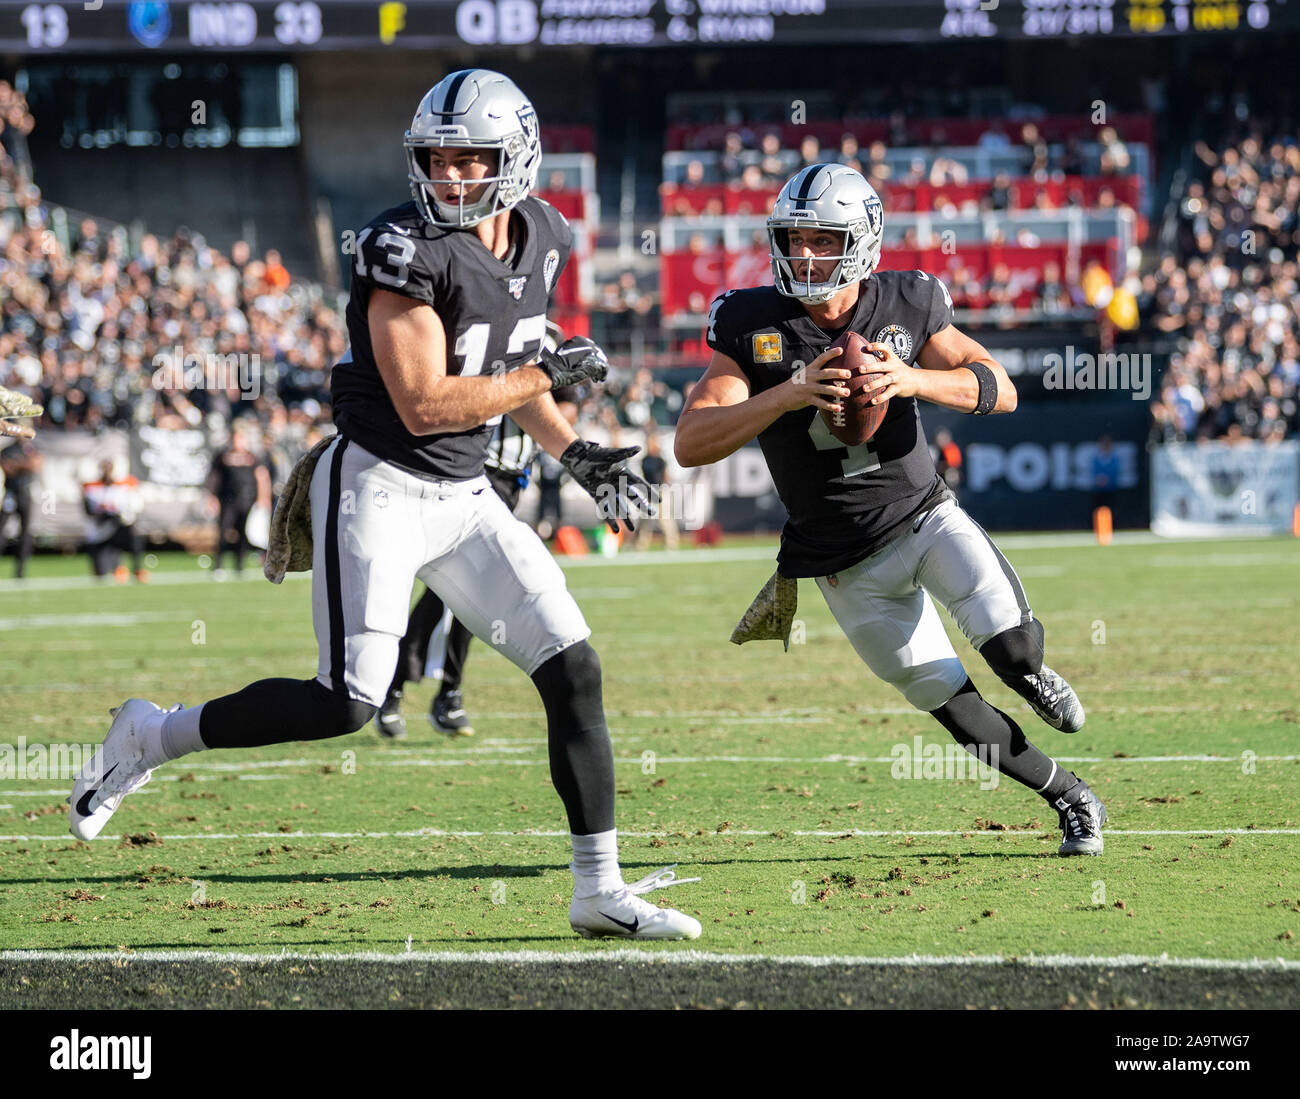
[751,165]
[91,330]
[1230,294]
[757,161]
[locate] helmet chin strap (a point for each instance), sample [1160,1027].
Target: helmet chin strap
[455,212]
[819,297]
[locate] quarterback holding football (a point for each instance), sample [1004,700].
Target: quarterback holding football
[869,518]
[446,322]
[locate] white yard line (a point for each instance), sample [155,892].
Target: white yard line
[623,955]
[767,832]
[707,556]
[452,761]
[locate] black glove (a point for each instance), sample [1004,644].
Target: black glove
[576,360]
[602,472]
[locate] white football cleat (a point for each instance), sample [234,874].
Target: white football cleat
[622,914]
[113,771]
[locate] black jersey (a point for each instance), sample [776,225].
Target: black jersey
[844,503]
[494,315]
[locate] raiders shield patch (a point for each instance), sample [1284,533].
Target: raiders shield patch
[875,213]
[528,123]
[550,268]
[899,338]
[767,347]
[516,287]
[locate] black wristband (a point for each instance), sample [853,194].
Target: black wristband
[988,398]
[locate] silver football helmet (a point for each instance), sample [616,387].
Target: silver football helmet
[826,196]
[475,109]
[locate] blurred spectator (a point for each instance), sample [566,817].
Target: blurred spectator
[112,505]
[999,196]
[774,164]
[655,471]
[1072,163]
[810,151]
[945,170]
[1114,153]
[1053,295]
[878,169]
[1035,153]
[1105,474]
[239,481]
[733,157]
[20,462]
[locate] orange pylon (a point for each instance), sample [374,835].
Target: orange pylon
[1102,526]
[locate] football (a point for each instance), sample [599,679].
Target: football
[856,420]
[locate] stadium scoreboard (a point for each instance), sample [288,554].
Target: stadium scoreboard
[100,26]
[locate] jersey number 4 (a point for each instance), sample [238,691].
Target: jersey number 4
[861,458]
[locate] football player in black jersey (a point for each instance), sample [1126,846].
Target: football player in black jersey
[875,524]
[446,321]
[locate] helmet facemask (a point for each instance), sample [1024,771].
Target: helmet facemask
[854,261]
[480,110]
[458,214]
[829,198]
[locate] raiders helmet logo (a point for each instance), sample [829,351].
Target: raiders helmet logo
[528,123]
[875,213]
[550,268]
[516,287]
[899,338]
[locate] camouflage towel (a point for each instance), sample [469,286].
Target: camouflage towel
[290,547]
[771,614]
[17,405]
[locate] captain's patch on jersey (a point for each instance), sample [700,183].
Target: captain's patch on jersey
[767,347]
[550,266]
[898,337]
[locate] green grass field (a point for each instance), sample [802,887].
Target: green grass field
[766,774]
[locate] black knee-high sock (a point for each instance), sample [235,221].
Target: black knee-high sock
[986,732]
[453,663]
[582,758]
[274,711]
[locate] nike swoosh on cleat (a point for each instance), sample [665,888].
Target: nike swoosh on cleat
[83,803]
[636,922]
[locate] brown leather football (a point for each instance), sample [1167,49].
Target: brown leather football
[856,420]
